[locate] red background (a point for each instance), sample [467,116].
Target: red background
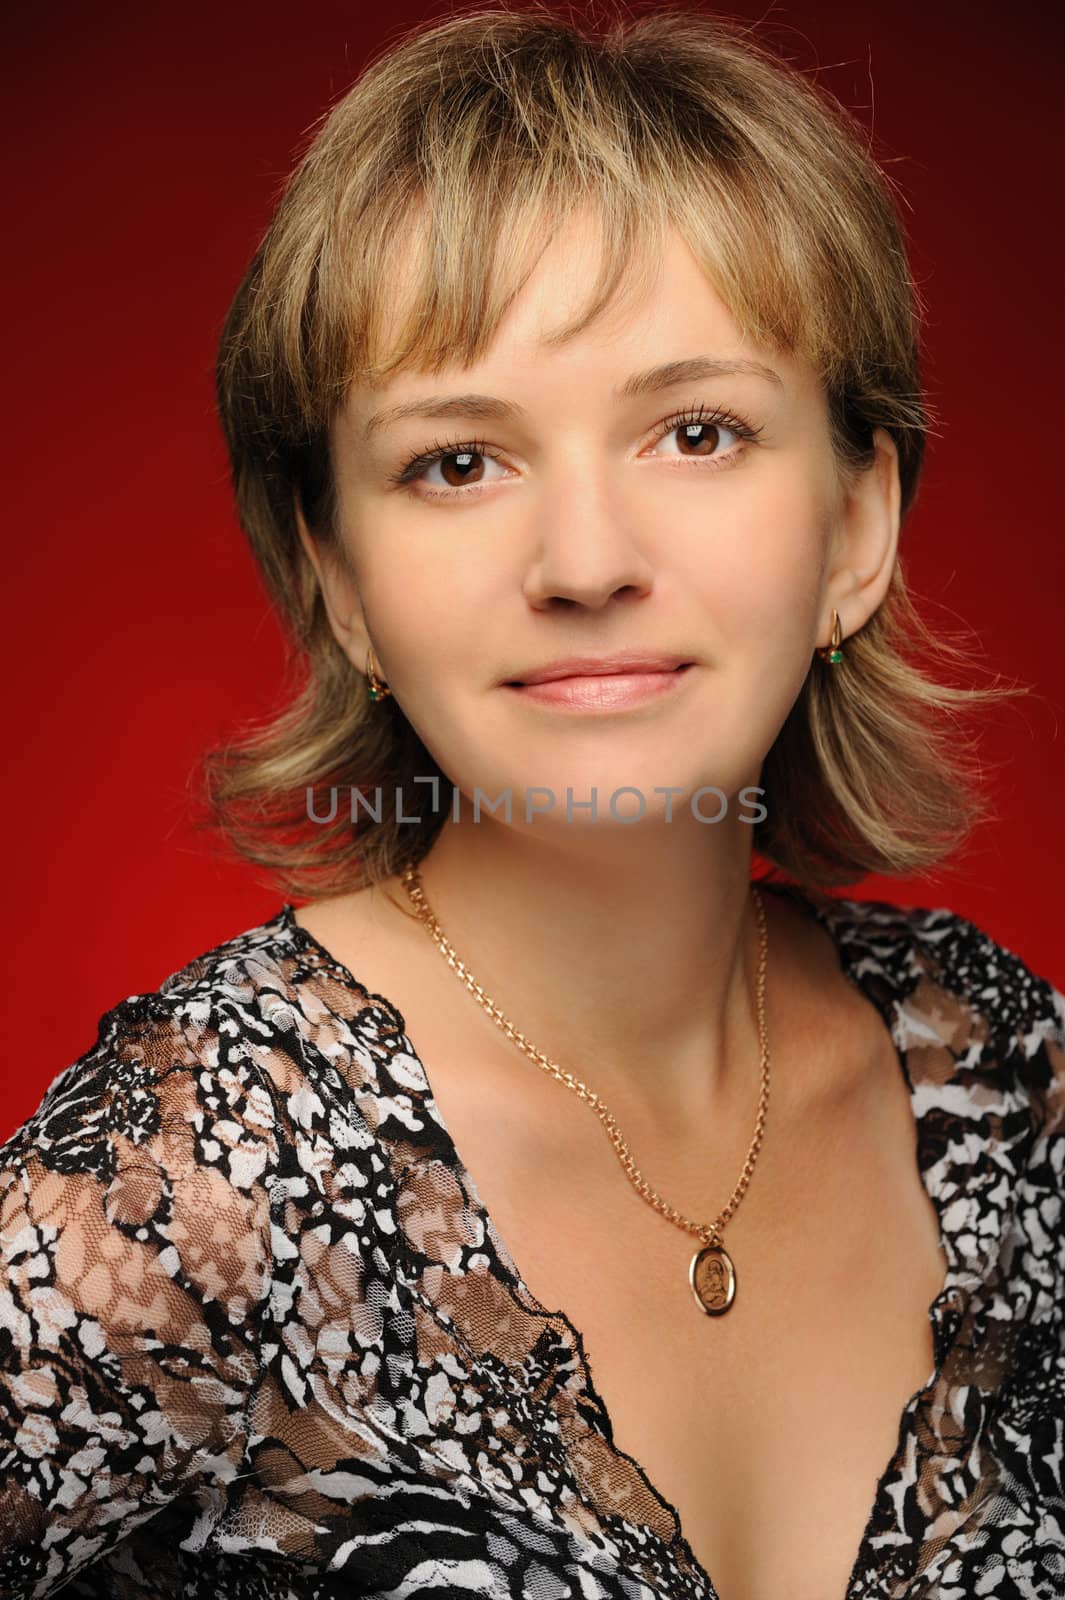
[146,149]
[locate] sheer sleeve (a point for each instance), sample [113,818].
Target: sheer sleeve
[134,1272]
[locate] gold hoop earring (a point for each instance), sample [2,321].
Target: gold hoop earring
[832,652]
[379,690]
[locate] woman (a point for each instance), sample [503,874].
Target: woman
[573,406]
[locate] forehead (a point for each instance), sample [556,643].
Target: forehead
[663,307]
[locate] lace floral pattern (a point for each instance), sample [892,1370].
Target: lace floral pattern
[260,1338]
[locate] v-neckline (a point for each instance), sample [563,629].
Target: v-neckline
[859,963]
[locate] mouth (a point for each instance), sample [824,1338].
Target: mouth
[585,673]
[615,690]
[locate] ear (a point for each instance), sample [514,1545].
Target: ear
[340,595]
[865,543]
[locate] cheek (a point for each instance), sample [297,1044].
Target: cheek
[763,571]
[426,613]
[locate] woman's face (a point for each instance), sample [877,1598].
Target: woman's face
[696,514]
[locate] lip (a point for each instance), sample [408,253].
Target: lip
[627,662]
[603,691]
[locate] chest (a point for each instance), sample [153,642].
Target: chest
[767,1428]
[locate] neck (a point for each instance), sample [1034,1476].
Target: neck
[628,955]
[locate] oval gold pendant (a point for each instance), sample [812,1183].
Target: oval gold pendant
[713,1279]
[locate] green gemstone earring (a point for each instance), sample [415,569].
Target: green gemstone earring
[379,690]
[832,652]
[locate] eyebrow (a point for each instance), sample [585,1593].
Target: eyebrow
[488,408]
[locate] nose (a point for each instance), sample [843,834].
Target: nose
[585,549]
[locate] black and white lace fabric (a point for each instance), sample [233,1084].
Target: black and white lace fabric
[260,1340]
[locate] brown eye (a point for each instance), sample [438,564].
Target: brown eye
[699,438]
[458,468]
[716,439]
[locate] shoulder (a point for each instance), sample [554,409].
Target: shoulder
[164,1064]
[165,1116]
[229,1073]
[178,1104]
[947,984]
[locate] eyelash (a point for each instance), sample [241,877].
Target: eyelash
[743,430]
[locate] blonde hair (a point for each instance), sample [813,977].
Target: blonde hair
[465,135]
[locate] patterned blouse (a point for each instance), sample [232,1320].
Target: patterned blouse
[260,1340]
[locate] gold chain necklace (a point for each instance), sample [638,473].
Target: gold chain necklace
[711,1274]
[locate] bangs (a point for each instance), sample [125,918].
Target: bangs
[432,189]
[416,269]
[440,297]
[434,296]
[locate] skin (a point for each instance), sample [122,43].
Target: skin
[628,948]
